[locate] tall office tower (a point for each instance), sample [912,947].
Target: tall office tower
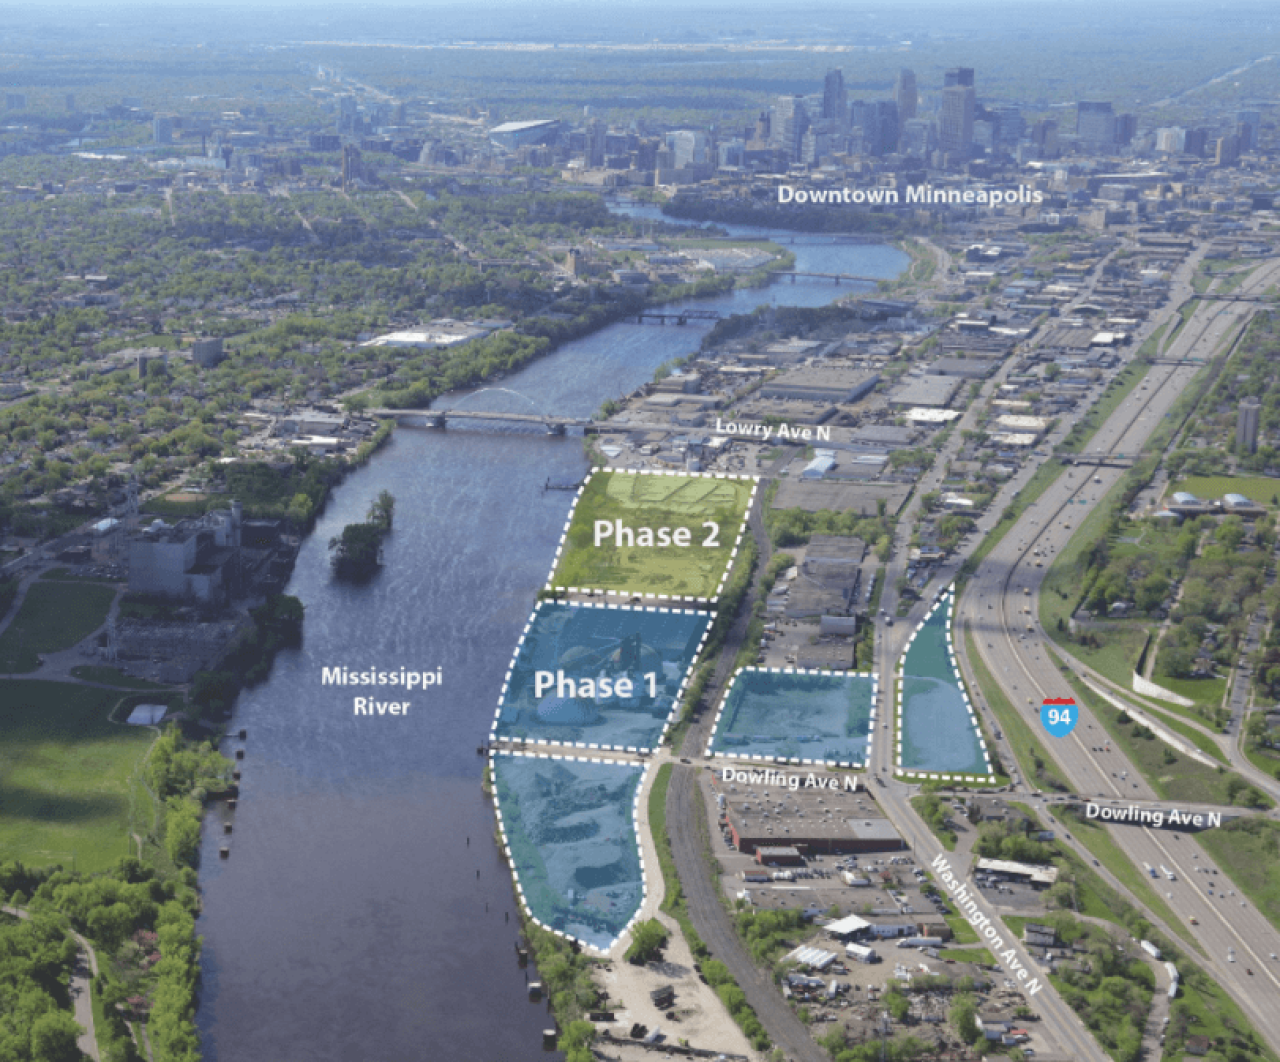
[689,146]
[1171,140]
[1195,142]
[907,99]
[1044,134]
[1247,426]
[918,137]
[790,121]
[958,103]
[1095,125]
[1252,119]
[162,129]
[959,76]
[835,102]
[352,169]
[1010,125]
[594,145]
[1126,128]
[1227,151]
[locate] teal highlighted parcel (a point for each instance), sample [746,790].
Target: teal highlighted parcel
[653,533]
[805,716]
[937,730]
[599,676]
[570,830]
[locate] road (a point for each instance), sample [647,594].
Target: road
[1008,582]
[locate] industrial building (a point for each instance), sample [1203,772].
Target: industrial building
[929,391]
[811,821]
[833,384]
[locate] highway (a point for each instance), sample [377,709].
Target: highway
[994,608]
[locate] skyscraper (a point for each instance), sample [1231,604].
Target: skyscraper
[959,76]
[1095,125]
[835,105]
[1247,426]
[904,95]
[958,103]
[790,121]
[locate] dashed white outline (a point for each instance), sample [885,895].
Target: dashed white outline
[753,757]
[635,824]
[733,553]
[675,704]
[948,598]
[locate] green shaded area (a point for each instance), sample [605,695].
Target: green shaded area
[1249,850]
[654,502]
[69,781]
[1030,753]
[53,616]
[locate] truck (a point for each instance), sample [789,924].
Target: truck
[853,880]
[1150,949]
[783,875]
[1168,873]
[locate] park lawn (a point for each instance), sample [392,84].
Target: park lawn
[1261,489]
[1249,850]
[67,775]
[53,616]
[654,502]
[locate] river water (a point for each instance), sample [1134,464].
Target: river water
[363,910]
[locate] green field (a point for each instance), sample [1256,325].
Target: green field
[67,782]
[622,565]
[53,616]
[979,955]
[1260,489]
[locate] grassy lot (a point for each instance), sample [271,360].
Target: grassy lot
[1098,840]
[1261,489]
[654,502]
[1206,692]
[1172,775]
[1032,758]
[53,616]
[171,508]
[111,676]
[979,955]
[1249,850]
[67,776]
[962,932]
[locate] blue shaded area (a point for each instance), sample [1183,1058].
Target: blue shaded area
[572,833]
[796,716]
[585,644]
[937,731]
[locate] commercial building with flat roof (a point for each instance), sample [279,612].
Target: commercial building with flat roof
[930,391]
[825,384]
[811,820]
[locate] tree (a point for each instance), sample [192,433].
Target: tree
[53,1038]
[357,552]
[898,1004]
[964,1019]
[647,940]
[382,510]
